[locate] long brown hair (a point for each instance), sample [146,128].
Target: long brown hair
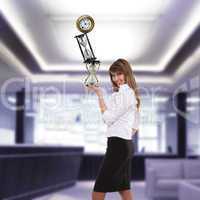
[123,66]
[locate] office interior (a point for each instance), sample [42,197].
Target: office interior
[52,136]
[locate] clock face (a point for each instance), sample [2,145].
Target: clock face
[85,23]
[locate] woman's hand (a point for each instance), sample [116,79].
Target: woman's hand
[96,89]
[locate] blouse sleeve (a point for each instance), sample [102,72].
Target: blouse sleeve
[119,105]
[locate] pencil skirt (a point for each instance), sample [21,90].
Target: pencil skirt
[115,171]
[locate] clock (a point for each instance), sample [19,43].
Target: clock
[85,23]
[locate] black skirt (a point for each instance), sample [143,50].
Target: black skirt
[115,171]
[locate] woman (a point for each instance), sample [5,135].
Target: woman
[122,118]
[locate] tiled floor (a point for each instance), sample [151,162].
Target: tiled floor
[82,191]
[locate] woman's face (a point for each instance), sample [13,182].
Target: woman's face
[118,78]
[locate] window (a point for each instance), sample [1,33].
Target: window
[158,132]
[193,122]
[74,121]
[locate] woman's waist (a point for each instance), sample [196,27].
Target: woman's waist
[118,138]
[120,128]
[120,145]
[122,134]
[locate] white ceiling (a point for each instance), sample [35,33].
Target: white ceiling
[147,33]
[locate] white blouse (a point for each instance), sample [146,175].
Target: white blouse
[121,115]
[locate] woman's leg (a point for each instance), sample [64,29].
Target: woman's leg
[98,195]
[126,194]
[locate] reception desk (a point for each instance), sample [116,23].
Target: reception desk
[28,171]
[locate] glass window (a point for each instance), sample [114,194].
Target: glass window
[77,121]
[193,123]
[7,136]
[158,132]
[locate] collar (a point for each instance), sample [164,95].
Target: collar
[123,86]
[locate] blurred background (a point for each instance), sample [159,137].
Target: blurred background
[52,137]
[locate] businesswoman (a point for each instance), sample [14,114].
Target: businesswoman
[121,114]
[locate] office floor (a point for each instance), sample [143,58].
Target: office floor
[82,190]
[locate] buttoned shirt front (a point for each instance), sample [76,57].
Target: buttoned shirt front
[121,116]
